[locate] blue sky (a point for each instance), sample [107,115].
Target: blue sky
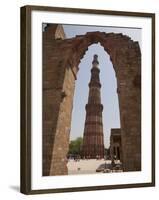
[109,98]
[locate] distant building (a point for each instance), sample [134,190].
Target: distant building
[115,144]
[93,141]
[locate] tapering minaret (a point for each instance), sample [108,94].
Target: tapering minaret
[93,141]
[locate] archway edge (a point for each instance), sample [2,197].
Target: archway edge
[115,44]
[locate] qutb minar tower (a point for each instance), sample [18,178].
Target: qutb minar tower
[93,141]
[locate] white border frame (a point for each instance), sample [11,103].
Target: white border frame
[39,182]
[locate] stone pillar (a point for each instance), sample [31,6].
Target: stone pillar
[58,89]
[129,91]
[61,142]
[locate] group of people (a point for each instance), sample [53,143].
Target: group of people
[77,157]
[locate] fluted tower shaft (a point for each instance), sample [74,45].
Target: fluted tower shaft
[93,140]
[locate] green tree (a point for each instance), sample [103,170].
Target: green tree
[75,146]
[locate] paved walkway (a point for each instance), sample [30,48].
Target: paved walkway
[85,166]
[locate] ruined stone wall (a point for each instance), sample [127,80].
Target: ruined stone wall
[58,89]
[61,58]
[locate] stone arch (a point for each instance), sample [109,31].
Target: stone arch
[61,58]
